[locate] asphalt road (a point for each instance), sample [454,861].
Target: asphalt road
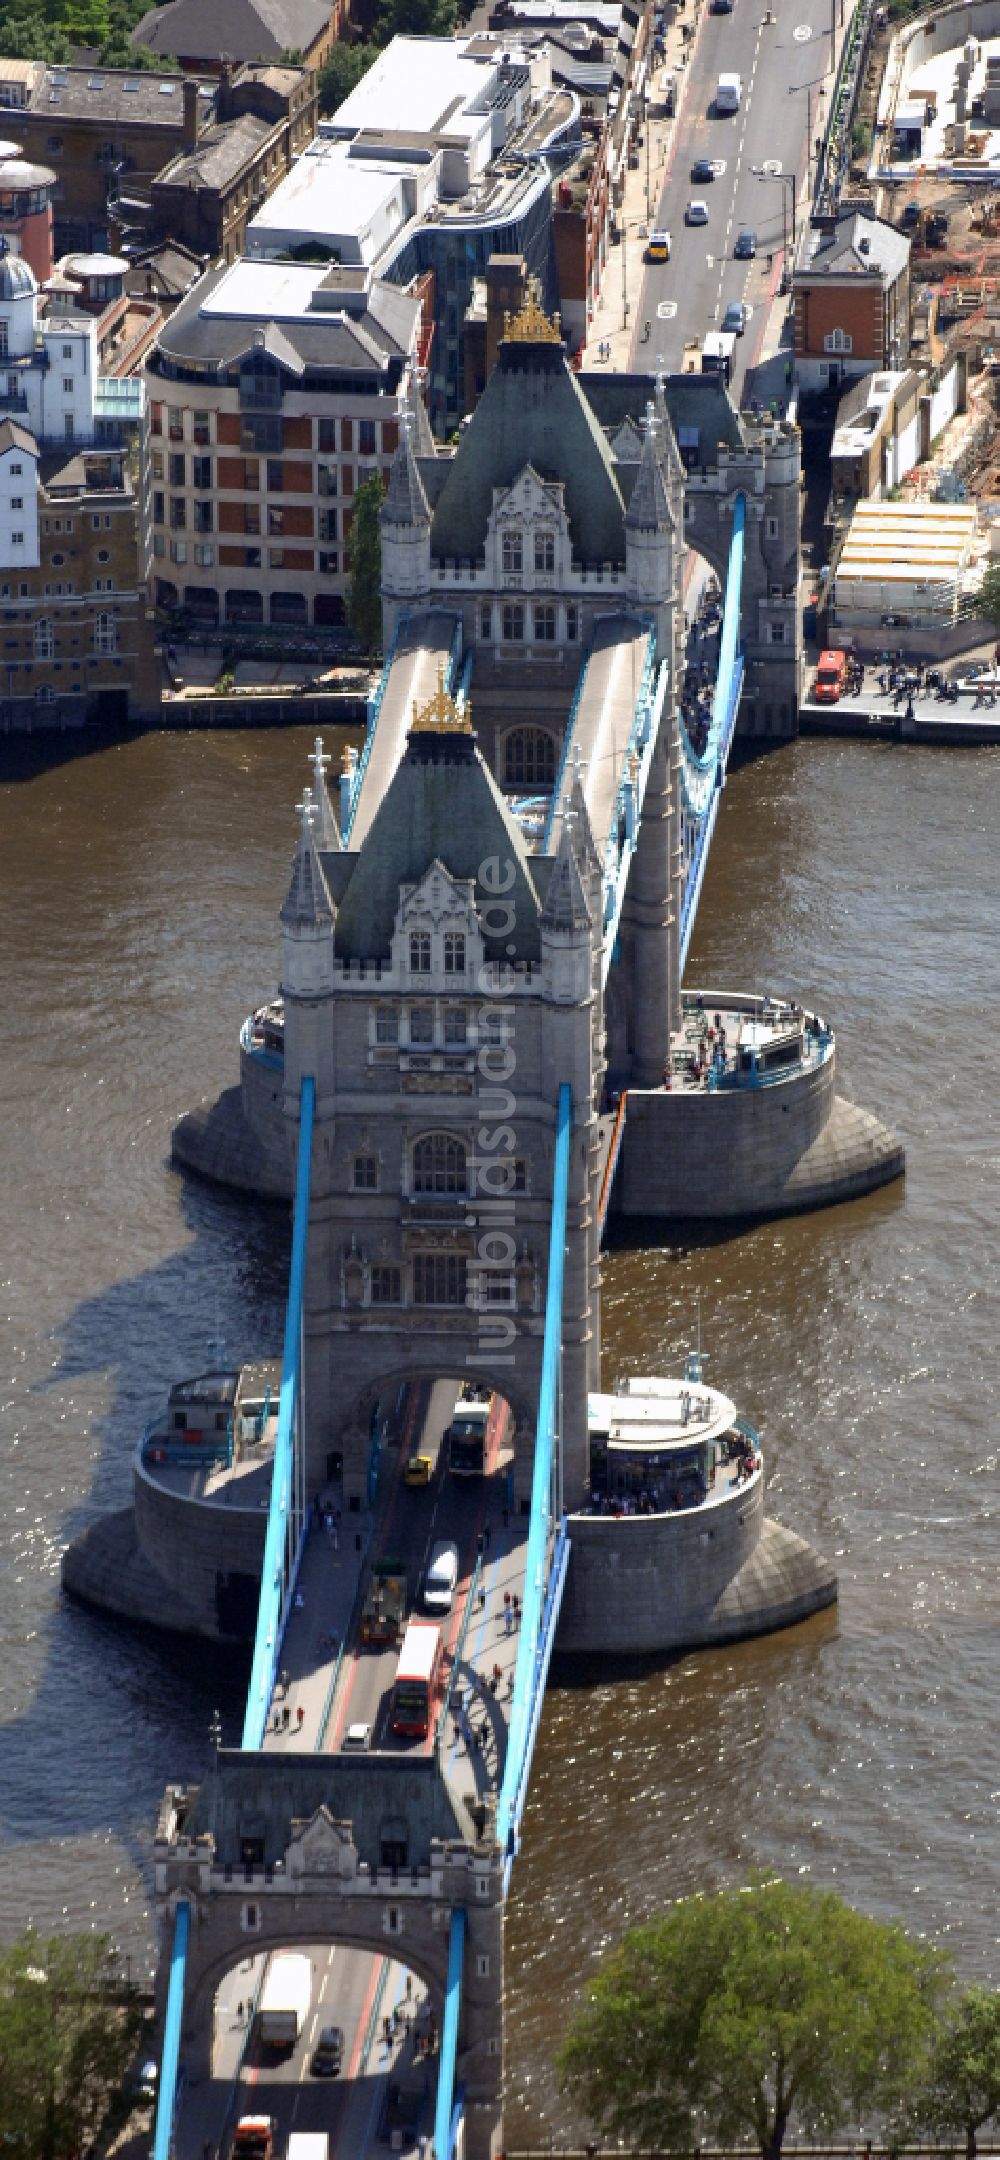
[783,66]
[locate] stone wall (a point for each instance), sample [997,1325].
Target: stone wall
[650,1583]
[213,1554]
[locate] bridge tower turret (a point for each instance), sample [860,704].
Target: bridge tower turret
[405,519]
[567,939]
[650,534]
[307,962]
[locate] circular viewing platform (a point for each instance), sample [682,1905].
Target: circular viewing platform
[666,1446]
[730,1041]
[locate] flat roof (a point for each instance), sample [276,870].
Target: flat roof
[653,1413]
[419,83]
[258,290]
[329,194]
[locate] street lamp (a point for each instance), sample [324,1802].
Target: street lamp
[788,180]
[215,1733]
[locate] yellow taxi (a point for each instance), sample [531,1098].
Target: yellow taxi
[658,247]
[418,1470]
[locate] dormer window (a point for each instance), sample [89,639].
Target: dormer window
[545,551]
[420,952]
[454,952]
[513,553]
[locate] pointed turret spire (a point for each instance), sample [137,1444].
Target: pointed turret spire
[422,434]
[325,831]
[405,502]
[308,903]
[566,902]
[649,507]
[583,831]
[669,452]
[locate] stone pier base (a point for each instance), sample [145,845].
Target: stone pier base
[218,1141]
[631,1595]
[762,1151]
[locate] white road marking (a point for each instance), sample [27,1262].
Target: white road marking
[802,33]
[667,310]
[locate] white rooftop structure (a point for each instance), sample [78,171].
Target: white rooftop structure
[420,86]
[356,208]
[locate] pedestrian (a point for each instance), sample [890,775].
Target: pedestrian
[508,1616]
[387,2031]
[300,1716]
[285,1718]
[516,1607]
[328,1523]
[482,1598]
[283,1679]
[239,2013]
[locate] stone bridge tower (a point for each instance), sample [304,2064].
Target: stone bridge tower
[440,984]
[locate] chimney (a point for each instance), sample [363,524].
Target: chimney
[864,247]
[190,112]
[224,93]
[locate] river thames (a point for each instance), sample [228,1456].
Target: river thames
[141,886]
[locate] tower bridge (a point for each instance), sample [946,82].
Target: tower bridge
[482,1025]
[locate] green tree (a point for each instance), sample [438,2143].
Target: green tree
[341,71]
[67,2036]
[988,597]
[364,602]
[963,2086]
[733,2015]
[416,18]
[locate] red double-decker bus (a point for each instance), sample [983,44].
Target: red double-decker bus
[418,1679]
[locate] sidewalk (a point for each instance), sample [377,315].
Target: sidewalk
[616,323]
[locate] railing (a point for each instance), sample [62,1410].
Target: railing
[730,1072]
[459,1653]
[611,1165]
[448,2056]
[703,778]
[170,2058]
[161,1451]
[526,1699]
[270,1615]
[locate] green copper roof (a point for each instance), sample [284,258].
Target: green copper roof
[532,412]
[442,805]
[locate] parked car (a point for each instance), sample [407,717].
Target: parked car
[418,1470]
[697,211]
[735,317]
[357,1740]
[703,169]
[746,244]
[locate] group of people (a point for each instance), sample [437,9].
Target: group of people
[688,1491]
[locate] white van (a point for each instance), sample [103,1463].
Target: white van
[441,1577]
[728,93]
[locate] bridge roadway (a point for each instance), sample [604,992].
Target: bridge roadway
[602,722]
[351,1989]
[422,647]
[782,66]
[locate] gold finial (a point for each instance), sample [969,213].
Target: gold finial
[441,715]
[531,325]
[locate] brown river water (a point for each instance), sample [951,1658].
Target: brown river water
[140,885]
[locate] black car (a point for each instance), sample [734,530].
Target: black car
[746,244]
[329,2053]
[703,169]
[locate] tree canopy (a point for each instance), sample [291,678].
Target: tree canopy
[731,2016]
[963,2084]
[52,30]
[67,2038]
[364,593]
[988,598]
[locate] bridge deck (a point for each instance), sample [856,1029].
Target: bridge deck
[603,722]
[334,1691]
[422,647]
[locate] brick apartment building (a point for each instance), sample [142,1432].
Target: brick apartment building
[74,629]
[851,302]
[272,393]
[105,133]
